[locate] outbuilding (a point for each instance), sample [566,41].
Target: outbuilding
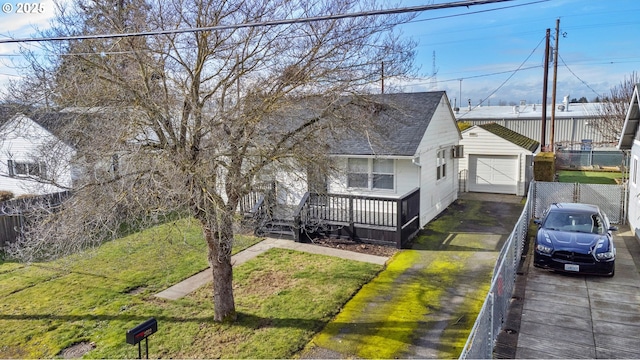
[496,160]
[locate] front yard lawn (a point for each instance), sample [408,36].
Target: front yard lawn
[282,297]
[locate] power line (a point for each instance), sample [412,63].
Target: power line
[466,3]
[509,78]
[475,12]
[482,75]
[577,77]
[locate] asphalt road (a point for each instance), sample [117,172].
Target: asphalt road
[575,316]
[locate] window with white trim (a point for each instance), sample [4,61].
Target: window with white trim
[358,173]
[441,164]
[26,168]
[378,174]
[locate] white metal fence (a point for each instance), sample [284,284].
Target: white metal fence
[492,316]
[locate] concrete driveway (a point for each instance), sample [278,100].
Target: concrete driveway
[571,316]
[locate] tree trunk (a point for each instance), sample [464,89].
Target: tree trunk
[219,243]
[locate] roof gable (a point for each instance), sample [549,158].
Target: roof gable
[511,136]
[20,125]
[397,129]
[630,127]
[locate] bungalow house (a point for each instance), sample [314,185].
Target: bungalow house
[497,160]
[393,179]
[33,161]
[630,142]
[416,150]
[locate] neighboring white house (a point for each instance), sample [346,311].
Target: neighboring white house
[630,141]
[32,158]
[496,160]
[411,145]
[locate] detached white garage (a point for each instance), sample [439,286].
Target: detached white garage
[496,160]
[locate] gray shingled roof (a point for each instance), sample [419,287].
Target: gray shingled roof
[511,136]
[397,128]
[61,124]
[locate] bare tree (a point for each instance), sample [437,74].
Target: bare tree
[187,122]
[614,106]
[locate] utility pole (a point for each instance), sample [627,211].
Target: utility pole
[460,94]
[434,72]
[545,82]
[553,92]
[382,77]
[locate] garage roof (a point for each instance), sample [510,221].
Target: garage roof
[511,136]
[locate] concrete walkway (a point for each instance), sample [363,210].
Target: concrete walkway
[191,284]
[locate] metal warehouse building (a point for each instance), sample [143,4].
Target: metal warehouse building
[573,123]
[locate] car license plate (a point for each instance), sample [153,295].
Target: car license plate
[571,267]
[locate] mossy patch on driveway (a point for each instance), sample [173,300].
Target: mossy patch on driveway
[424,304]
[382,320]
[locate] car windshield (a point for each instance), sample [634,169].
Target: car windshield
[574,222]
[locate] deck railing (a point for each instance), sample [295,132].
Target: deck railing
[361,218]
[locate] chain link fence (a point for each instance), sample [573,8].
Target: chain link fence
[492,316]
[496,305]
[573,159]
[610,198]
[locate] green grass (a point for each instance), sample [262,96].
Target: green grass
[282,298]
[589,177]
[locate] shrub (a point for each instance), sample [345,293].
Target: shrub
[544,167]
[5,195]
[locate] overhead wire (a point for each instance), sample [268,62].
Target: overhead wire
[507,79]
[472,12]
[420,8]
[279,22]
[576,76]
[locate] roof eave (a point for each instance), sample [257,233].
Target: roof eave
[630,127]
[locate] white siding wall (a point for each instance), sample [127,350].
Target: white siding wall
[291,187]
[407,178]
[442,133]
[634,187]
[435,195]
[486,143]
[22,140]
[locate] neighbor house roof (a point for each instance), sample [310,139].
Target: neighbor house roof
[631,121]
[396,130]
[528,111]
[511,136]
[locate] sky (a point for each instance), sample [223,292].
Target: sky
[598,48]
[485,54]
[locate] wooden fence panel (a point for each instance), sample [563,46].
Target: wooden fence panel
[10,226]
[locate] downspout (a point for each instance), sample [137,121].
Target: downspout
[416,161]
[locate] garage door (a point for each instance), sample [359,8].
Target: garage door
[493,173]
